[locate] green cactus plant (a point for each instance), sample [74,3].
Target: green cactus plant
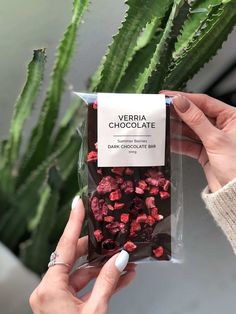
[160,45]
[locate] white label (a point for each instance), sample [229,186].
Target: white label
[131,130]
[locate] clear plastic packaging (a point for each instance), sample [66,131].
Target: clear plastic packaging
[136,208]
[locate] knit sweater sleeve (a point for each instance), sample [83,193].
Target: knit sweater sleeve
[222,205]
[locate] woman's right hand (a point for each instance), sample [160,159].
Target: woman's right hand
[209,128]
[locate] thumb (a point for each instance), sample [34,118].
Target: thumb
[108,278]
[194,118]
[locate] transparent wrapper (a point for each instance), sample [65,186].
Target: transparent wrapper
[139,209]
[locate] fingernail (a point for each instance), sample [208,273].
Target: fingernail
[181,103]
[75,202]
[122,260]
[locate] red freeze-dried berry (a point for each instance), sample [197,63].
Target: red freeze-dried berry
[110,207]
[118,205]
[164,195]
[154,174]
[158,252]
[141,218]
[153,182]
[115,227]
[139,190]
[115,195]
[95,105]
[166,185]
[150,220]
[142,185]
[130,246]
[128,187]
[154,190]
[109,218]
[106,185]
[154,213]
[99,208]
[119,180]
[129,171]
[150,202]
[159,217]
[98,235]
[92,156]
[118,170]
[135,226]
[124,218]
[162,181]
[96,146]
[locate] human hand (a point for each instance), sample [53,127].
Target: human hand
[57,291]
[209,128]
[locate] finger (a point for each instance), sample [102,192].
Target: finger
[67,245]
[123,282]
[81,277]
[82,247]
[210,106]
[195,119]
[180,128]
[108,278]
[187,148]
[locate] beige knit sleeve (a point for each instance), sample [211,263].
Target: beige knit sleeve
[222,205]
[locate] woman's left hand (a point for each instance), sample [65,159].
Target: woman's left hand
[57,291]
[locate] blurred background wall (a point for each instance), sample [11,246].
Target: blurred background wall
[206,282]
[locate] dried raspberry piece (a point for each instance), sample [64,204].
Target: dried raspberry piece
[115,195]
[142,185]
[110,207]
[115,227]
[150,220]
[164,195]
[154,190]
[158,252]
[154,213]
[92,156]
[124,218]
[96,146]
[150,202]
[109,218]
[153,182]
[99,208]
[130,246]
[129,171]
[162,181]
[95,105]
[119,180]
[135,226]
[118,205]
[106,185]
[128,187]
[139,190]
[166,185]
[98,235]
[118,170]
[154,173]
[141,218]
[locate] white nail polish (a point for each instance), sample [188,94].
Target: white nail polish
[75,201]
[122,260]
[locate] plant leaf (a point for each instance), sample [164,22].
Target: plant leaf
[122,49]
[153,73]
[22,110]
[207,40]
[35,252]
[37,147]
